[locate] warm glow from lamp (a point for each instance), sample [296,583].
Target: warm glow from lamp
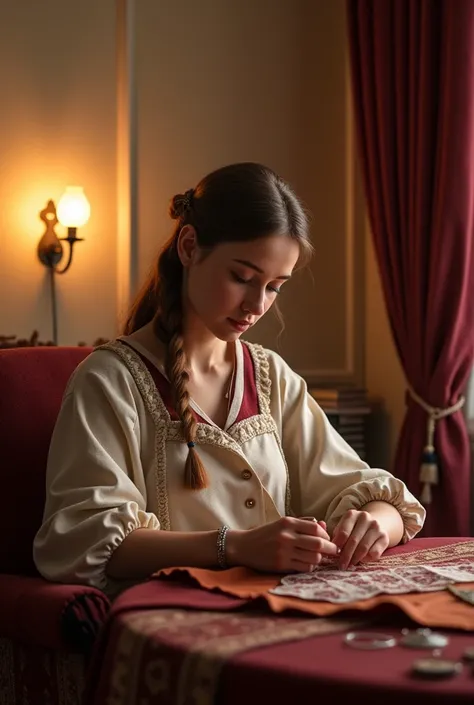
[73,209]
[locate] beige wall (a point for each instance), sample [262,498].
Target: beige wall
[217,81]
[260,80]
[383,374]
[57,128]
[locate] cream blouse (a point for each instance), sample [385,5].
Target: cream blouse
[116,463]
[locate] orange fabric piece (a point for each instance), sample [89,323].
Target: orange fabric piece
[431,609]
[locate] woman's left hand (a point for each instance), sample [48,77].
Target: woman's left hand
[360,538]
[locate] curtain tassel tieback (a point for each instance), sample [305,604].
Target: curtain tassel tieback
[429,473]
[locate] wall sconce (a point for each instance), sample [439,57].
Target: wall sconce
[73,211]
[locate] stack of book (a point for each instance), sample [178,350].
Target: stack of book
[336,397]
[346,409]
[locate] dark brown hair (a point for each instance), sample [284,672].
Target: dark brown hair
[236,203]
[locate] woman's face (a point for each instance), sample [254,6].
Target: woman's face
[230,287]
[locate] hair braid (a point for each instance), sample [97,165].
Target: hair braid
[169,328]
[195,476]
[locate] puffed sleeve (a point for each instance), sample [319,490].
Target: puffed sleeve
[327,477]
[95,487]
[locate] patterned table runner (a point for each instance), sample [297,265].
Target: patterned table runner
[175,657]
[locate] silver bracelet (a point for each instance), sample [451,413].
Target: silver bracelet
[221,557]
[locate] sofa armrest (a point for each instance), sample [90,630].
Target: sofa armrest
[52,615]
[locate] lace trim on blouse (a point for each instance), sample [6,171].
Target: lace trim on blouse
[169,430]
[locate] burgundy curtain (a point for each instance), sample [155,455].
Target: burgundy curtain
[412,67]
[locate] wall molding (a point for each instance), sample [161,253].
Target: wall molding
[127,205]
[350,371]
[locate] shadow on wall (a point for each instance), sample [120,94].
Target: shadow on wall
[378,436]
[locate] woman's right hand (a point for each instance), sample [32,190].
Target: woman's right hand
[286,545]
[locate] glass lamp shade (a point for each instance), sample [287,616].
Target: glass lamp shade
[73,209]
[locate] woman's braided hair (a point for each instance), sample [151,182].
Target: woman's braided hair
[240,202]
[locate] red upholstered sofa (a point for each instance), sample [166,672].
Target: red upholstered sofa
[46,630]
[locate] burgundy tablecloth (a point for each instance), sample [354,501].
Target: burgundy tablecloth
[305,668]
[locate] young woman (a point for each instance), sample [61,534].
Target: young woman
[179,444]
